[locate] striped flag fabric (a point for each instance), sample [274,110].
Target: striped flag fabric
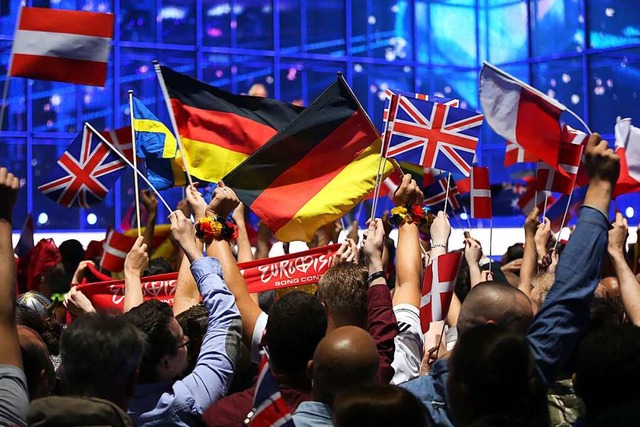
[315,170]
[436,193]
[521,114]
[437,288]
[480,193]
[388,93]
[569,160]
[25,243]
[214,124]
[628,148]
[269,407]
[62,45]
[114,251]
[532,198]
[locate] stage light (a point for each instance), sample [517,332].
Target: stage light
[629,212]
[463,216]
[43,218]
[92,219]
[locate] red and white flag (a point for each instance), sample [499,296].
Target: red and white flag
[628,148]
[480,193]
[569,159]
[115,250]
[62,45]
[532,198]
[516,154]
[521,114]
[437,288]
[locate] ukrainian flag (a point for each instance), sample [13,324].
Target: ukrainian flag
[158,147]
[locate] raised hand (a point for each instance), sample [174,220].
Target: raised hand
[472,251]
[440,229]
[532,222]
[541,238]
[137,259]
[183,232]
[348,252]
[618,236]
[148,199]
[9,186]
[223,202]
[77,303]
[79,273]
[601,163]
[408,193]
[374,245]
[196,202]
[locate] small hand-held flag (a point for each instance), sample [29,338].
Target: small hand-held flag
[437,288]
[85,172]
[432,135]
[516,154]
[628,148]
[62,45]
[114,251]
[480,193]
[269,407]
[569,160]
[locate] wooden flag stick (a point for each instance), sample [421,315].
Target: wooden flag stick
[135,161]
[490,242]
[446,196]
[564,218]
[124,158]
[464,208]
[165,93]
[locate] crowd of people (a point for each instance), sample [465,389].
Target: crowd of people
[548,337]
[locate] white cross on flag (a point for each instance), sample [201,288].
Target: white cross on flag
[114,251]
[480,193]
[437,288]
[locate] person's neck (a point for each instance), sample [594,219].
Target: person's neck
[295,380]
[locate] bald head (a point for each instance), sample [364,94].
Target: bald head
[495,302]
[347,357]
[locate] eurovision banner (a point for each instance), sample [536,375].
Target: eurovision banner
[297,269]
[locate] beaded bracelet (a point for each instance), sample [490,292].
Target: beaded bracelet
[209,228]
[416,214]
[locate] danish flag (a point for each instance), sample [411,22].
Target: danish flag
[85,172]
[516,154]
[480,193]
[269,407]
[114,251]
[569,159]
[432,135]
[437,288]
[532,198]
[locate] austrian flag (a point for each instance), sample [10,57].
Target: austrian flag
[437,288]
[62,45]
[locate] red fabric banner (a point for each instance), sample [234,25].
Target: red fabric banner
[301,268]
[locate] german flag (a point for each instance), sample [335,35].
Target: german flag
[220,130]
[315,170]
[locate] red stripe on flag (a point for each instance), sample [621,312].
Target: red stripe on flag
[66,21]
[226,130]
[59,69]
[292,190]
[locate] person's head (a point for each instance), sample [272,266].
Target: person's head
[297,322]
[542,283]
[495,302]
[347,357]
[45,325]
[492,376]
[194,322]
[515,251]
[165,357]
[72,253]
[36,363]
[101,356]
[343,292]
[612,286]
[379,405]
[259,90]
[157,266]
[607,368]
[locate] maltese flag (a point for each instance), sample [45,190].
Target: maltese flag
[522,114]
[628,148]
[62,45]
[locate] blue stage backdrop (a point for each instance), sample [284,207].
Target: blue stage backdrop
[586,53]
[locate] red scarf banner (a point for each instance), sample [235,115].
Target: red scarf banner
[301,268]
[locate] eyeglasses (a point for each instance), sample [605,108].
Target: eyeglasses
[186,343]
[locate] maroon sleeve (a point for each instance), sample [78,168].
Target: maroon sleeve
[231,410]
[383,327]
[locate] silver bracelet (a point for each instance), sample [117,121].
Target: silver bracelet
[439,245]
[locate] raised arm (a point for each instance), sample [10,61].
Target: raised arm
[629,285]
[134,265]
[224,201]
[408,256]
[187,293]
[529,258]
[150,202]
[10,348]
[557,326]
[244,246]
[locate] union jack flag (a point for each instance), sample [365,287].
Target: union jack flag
[84,174]
[433,135]
[388,93]
[269,407]
[436,193]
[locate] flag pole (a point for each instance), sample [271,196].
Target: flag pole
[564,217]
[446,195]
[490,242]
[124,158]
[544,210]
[5,89]
[165,94]
[464,208]
[580,120]
[376,189]
[135,161]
